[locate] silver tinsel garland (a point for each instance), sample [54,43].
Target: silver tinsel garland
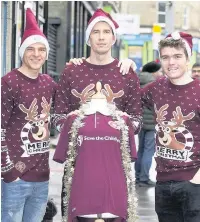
[126,162]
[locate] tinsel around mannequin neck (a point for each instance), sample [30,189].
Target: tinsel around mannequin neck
[126,161]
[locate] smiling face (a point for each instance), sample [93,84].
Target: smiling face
[34,56]
[174,62]
[101,38]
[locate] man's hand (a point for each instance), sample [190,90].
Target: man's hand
[196,178]
[75,61]
[119,112]
[125,65]
[75,112]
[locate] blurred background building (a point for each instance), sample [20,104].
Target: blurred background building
[142,25]
[169,16]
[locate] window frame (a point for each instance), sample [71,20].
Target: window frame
[161,13]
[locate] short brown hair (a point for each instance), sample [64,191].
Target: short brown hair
[177,44]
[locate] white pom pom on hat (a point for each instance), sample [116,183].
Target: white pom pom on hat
[28,5]
[176,35]
[186,38]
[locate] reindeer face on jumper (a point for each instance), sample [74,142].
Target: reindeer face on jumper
[38,124]
[167,130]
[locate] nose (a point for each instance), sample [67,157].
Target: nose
[101,35]
[161,134]
[36,52]
[35,129]
[171,60]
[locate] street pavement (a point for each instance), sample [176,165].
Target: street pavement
[146,196]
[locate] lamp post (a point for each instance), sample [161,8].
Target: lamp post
[169,19]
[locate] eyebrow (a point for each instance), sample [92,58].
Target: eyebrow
[30,47]
[173,55]
[99,30]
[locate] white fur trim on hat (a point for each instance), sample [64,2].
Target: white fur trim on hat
[93,23]
[31,40]
[176,36]
[187,47]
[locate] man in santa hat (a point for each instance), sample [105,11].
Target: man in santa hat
[99,66]
[26,101]
[176,104]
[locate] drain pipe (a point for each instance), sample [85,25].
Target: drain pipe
[5,5]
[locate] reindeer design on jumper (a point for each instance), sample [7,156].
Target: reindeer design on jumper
[166,132]
[99,99]
[37,126]
[89,93]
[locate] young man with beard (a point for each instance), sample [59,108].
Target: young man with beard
[26,102]
[176,102]
[100,66]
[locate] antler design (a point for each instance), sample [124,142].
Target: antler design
[86,93]
[179,118]
[31,112]
[161,113]
[46,107]
[109,93]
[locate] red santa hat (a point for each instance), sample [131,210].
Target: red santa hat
[100,16]
[186,38]
[32,33]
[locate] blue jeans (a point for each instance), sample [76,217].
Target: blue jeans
[145,153]
[24,201]
[177,201]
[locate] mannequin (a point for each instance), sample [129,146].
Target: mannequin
[98,103]
[97,148]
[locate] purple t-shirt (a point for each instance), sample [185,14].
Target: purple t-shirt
[25,125]
[99,183]
[177,112]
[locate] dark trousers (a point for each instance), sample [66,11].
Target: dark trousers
[177,201]
[145,153]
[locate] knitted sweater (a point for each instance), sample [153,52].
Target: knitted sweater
[25,126]
[80,77]
[177,112]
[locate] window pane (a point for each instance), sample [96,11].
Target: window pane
[161,18]
[161,7]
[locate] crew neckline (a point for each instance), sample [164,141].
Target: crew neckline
[109,65]
[26,77]
[190,84]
